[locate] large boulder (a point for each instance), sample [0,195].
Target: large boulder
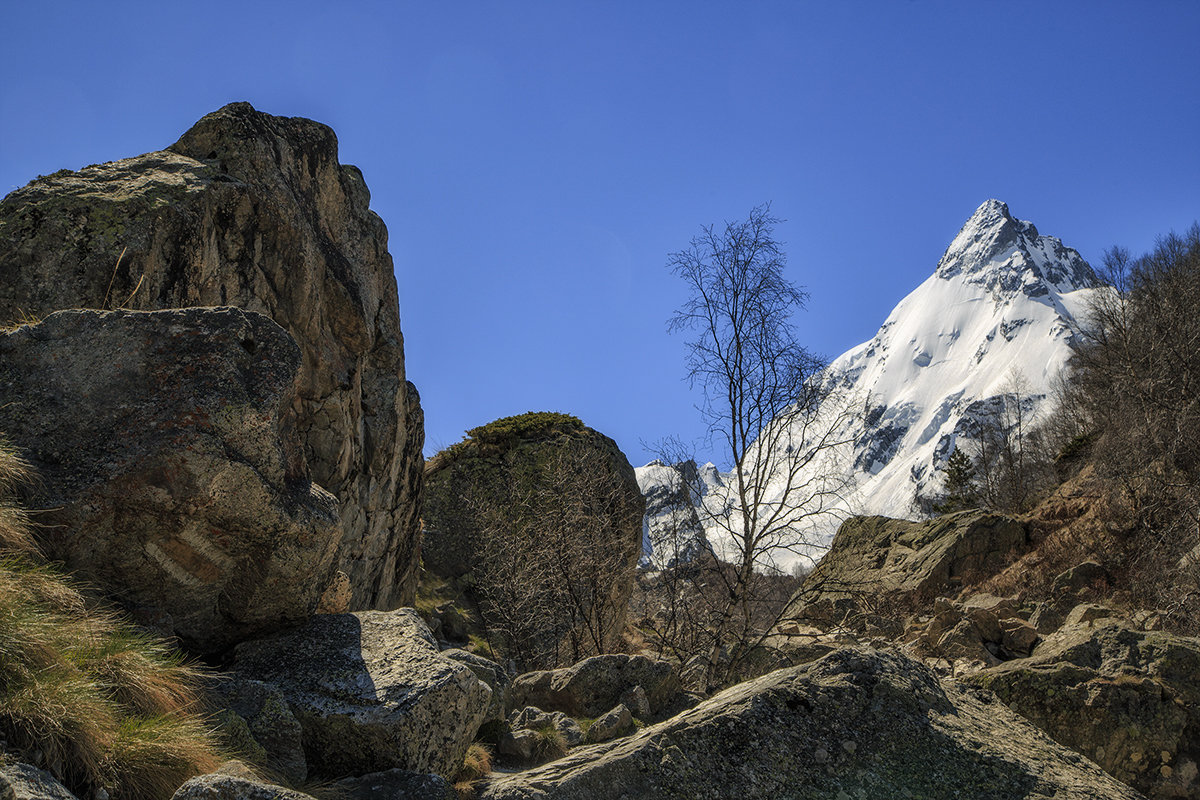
[597,684]
[541,519]
[1129,700]
[217,786]
[169,475]
[253,210]
[20,781]
[853,724]
[491,673]
[874,556]
[371,692]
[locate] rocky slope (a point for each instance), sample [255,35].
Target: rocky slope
[1072,655]
[853,724]
[253,210]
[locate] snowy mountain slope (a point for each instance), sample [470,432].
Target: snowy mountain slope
[672,531]
[998,311]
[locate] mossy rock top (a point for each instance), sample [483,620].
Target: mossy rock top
[505,432]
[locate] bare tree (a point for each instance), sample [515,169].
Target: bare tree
[553,576]
[1012,464]
[770,410]
[1135,391]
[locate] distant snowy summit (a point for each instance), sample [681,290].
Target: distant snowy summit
[1007,255]
[997,314]
[999,311]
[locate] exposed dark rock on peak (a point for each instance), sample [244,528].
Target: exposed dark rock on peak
[1008,255]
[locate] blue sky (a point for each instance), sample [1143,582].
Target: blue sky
[535,162]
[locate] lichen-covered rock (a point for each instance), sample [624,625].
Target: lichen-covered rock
[1090,615]
[1078,578]
[253,210]
[978,632]
[597,684]
[870,556]
[535,719]
[169,475]
[545,515]
[217,786]
[25,782]
[1129,700]
[371,692]
[491,673]
[269,723]
[853,724]
[610,725]
[637,702]
[518,744]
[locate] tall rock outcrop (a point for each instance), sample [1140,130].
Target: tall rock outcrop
[253,210]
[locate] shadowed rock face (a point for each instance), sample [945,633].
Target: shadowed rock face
[169,475]
[254,211]
[545,513]
[853,724]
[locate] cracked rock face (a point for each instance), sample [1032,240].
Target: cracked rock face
[169,474]
[254,211]
[1126,699]
[885,555]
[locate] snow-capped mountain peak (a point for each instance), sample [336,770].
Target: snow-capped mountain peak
[998,314]
[1006,255]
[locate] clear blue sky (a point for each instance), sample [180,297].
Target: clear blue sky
[536,161]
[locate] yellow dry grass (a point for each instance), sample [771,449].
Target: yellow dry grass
[86,695]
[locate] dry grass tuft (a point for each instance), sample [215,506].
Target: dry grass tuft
[104,705]
[22,317]
[477,764]
[14,523]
